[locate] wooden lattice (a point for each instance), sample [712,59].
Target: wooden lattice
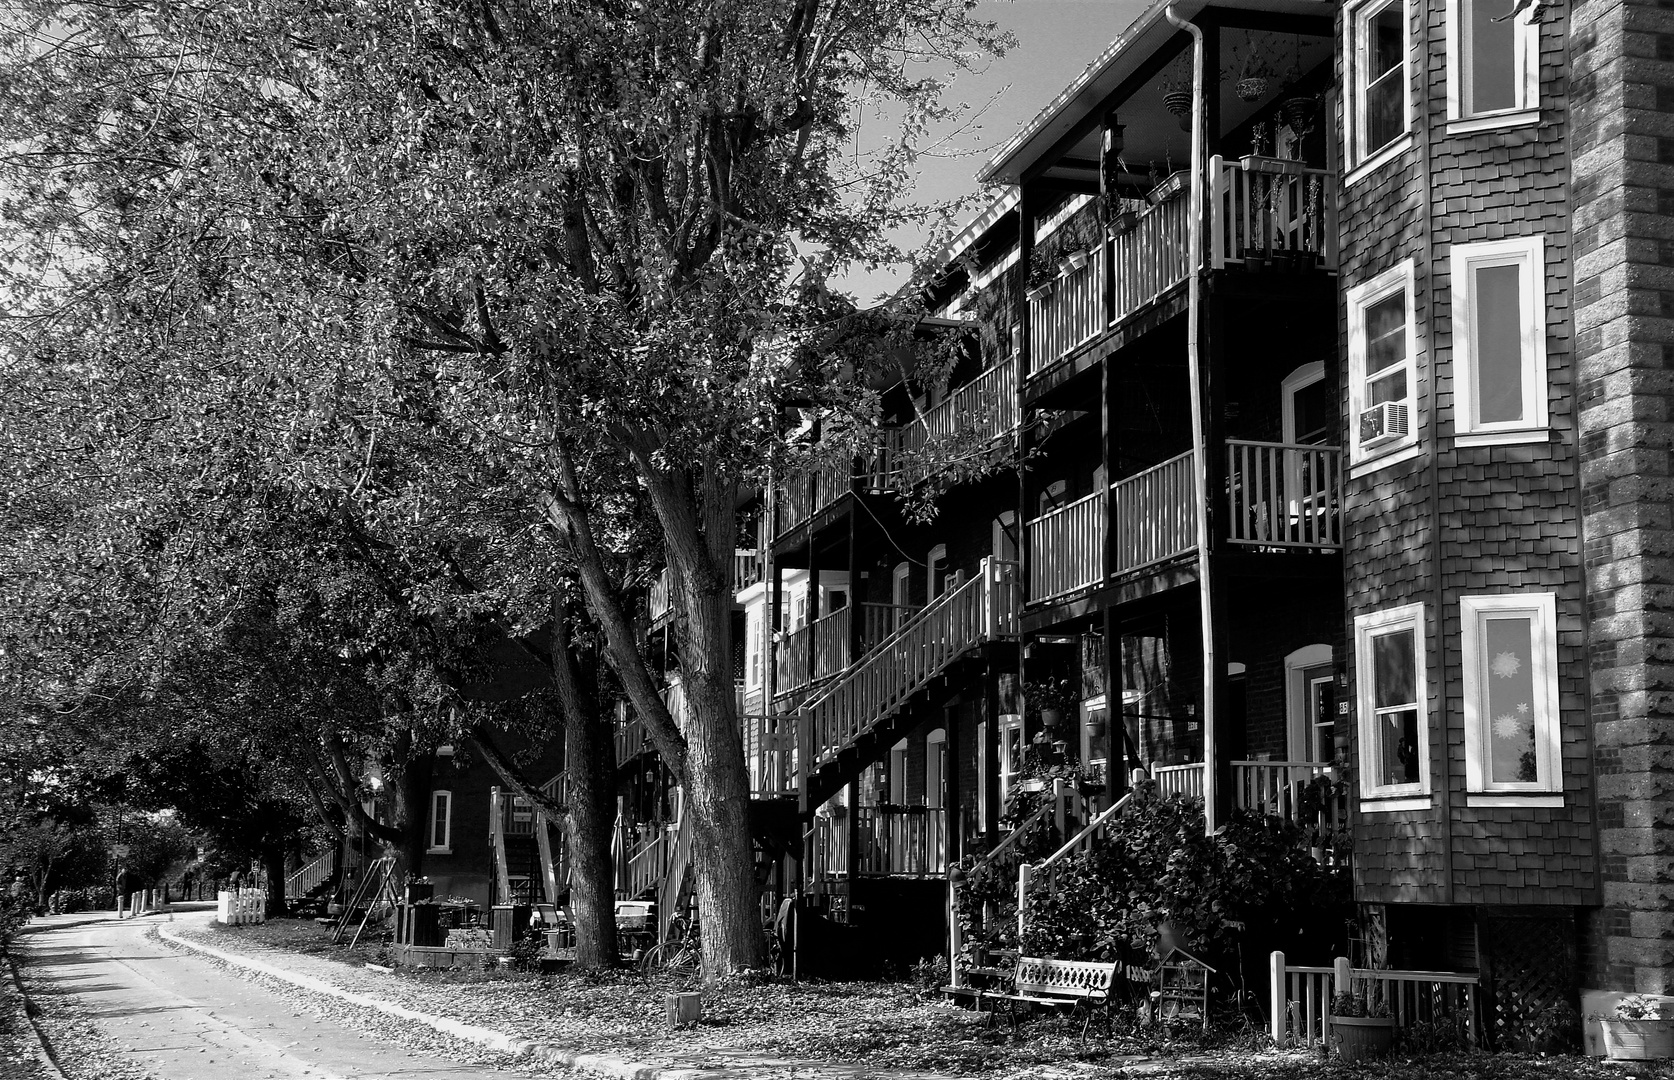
[1064,978]
[1530,965]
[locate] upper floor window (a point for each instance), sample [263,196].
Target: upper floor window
[1377,52]
[1492,59]
[1499,339]
[1393,703]
[1382,372]
[1510,654]
[441,821]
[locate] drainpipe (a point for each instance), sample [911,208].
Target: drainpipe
[1200,449]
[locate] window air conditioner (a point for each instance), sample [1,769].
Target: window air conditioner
[1383,423]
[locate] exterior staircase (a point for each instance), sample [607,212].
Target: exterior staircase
[854,718]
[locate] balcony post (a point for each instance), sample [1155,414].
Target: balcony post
[813,602]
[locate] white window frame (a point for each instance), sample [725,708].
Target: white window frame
[1374,796]
[937,554]
[1480,789]
[1299,739]
[1529,254]
[1397,279]
[1361,159]
[935,768]
[446,846]
[1526,109]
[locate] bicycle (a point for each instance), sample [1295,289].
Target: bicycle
[681,953]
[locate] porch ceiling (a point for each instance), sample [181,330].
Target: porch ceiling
[1151,132]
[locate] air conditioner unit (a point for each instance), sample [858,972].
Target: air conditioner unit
[1383,423]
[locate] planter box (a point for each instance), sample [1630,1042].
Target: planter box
[1168,189]
[1637,1040]
[1359,1037]
[1039,292]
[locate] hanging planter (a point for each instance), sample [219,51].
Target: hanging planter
[1038,293]
[1251,89]
[1072,261]
[1123,222]
[1168,189]
[1297,112]
[1179,102]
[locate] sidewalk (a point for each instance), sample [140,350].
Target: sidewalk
[624,1058]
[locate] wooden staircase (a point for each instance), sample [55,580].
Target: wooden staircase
[853,720]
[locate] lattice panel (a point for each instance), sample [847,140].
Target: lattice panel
[1532,965]
[1069,978]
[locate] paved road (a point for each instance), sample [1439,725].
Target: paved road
[181,1017]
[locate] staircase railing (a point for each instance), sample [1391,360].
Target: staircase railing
[1081,843]
[311,876]
[981,610]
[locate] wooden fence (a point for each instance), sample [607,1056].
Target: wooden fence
[1300,998]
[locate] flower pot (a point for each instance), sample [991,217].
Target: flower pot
[1359,1037]
[1174,185]
[1034,783]
[1637,1040]
[1051,717]
[1126,221]
[1038,293]
[1071,262]
[1178,102]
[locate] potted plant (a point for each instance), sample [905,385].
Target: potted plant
[1360,1029]
[1052,699]
[1638,1031]
[1042,275]
[1254,69]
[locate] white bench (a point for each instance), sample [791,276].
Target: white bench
[1056,984]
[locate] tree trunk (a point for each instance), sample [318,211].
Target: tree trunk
[273,862]
[590,764]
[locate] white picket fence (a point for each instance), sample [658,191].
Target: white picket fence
[244,907]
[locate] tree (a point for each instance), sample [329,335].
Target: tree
[593,230]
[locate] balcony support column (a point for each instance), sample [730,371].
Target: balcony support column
[813,603]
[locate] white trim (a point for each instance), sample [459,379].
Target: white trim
[1366,468]
[1528,255]
[1398,279]
[1505,438]
[1525,60]
[1296,697]
[900,588]
[935,750]
[1502,802]
[1409,617]
[1304,376]
[1498,121]
[1542,611]
[1379,159]
[937,554]
[1355,55]
[1376,806]
[446,846]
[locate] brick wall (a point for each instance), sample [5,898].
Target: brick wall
[1622,94]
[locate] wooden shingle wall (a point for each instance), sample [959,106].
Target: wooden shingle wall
[1622,100]
[1507,518]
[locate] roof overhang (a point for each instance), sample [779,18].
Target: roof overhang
[1131,49]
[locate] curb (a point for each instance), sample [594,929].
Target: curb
[546,1053]
[43,1050]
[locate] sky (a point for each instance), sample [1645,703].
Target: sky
[1056,39]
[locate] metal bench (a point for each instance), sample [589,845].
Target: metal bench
[1055,984]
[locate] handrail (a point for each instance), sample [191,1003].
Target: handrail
[1014,836]
[1097,823]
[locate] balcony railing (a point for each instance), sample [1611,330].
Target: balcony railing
[769,753]
[746,571]
[1281,212]
[908,841]
[828,638]
[806,494]
[984,409]
[1284,495]
[1155,514]
[1290,789]
[1179,779]
[1066,548]
[1070,314]
[1265,206]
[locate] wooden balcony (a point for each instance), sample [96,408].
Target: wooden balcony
[982,410]
[893,841]
[808,493]
[1262,207]
[1156,514]
[1281,213]
[1284,496]
[1292,790]
[828,639]
[746,571]
[1066,548]
[1279,497]
[769,754]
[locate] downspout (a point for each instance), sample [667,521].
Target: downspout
[1200,449]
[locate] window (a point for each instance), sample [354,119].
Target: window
[935,573]
[935,767]
[1493,60]
[441,822]
[1499,340]
[1394,709]
[1511,694]
[898,774]
[1382,347]
[1377,49]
